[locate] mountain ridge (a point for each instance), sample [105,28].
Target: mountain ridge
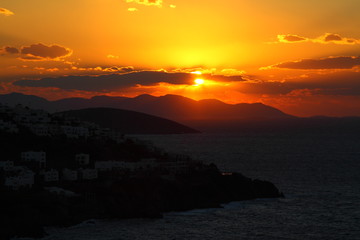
[207,115]
[174,107]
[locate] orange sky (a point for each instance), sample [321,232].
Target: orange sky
[298,56]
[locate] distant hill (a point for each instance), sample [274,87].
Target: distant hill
[207,115]
[129,122]
[173,107]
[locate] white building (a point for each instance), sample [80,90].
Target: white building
[61,191]
[82,159]
[75,132]
[24,179]
[117,136]
[69,175]
[101,132]
[107,165]
[89,174]
[7,165]
[31,156]
[39,129]
[51,176]
[22,119]
[25,115]
[8,127]
[144,164]
[176,167]
[147,163]
[4,108]
[39,116]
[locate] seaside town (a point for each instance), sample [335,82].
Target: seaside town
[56,170]
[29,167]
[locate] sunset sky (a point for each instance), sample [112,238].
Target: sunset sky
[301,57]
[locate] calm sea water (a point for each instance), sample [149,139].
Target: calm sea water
[318,173]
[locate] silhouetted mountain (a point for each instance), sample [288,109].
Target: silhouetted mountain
[129,122]
[204,115]
[14,98]
[173,107]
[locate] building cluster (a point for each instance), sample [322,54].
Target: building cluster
[41,123]
[32,169]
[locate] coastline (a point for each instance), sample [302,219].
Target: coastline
[146,197]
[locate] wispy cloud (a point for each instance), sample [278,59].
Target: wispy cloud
[111,56]
[157,3]
[6,12]
[290,38]
[320,64]
[42,52]
[9,50]
[132,9]
[323,39]
[100,69]
[113,82]
[38,52]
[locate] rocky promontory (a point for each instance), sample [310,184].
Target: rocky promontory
[26,213]
[59,171]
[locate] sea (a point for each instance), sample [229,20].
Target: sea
[319,174]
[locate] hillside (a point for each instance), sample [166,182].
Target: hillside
[57,171]
[207,115]
[172,107]
[129,122]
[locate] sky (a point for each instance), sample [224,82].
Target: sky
[301,57]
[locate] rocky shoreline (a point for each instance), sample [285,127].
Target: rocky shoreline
[128,178]
[26,213]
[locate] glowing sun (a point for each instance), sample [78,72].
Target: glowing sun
[199,81]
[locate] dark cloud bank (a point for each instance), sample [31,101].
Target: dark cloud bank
[117,81]
[39,52]
[325,63]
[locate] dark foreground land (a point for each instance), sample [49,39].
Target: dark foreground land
[26,213]
[129,190]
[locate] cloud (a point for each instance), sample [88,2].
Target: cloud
[223,78]
[109,82]
[308,102]
[30,58]
[42,52]
[37,52]
[157,3]
[323,39]
[332,37]
[112,56]
[323,63]
[289,38]
[113,82]
[97,69]
[6,12]
[132,9]
[337,39]
[47,69]
[9,50]
[328,84]
[232,72]
[119,69]
[288,94]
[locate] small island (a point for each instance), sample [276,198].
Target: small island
[58,171]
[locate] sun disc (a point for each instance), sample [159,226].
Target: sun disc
[199,81]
